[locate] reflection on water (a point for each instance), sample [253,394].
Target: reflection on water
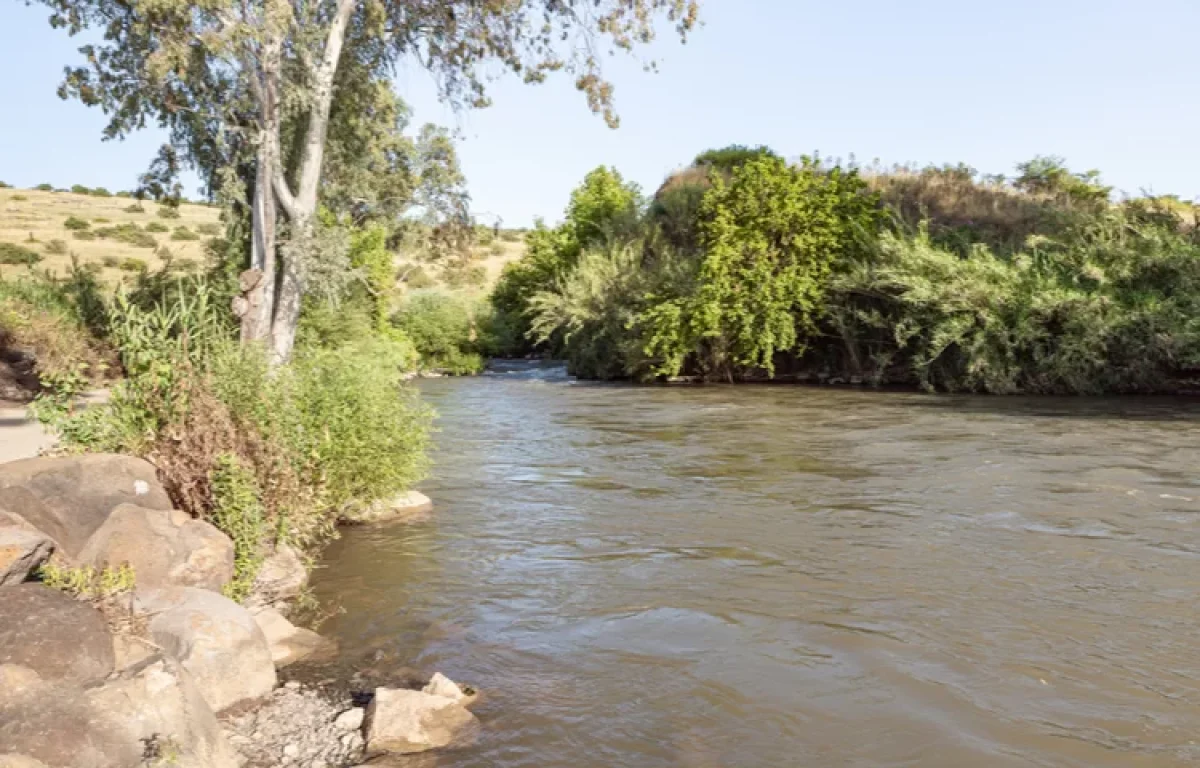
[775,576]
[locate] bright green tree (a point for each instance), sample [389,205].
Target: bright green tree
[771,235]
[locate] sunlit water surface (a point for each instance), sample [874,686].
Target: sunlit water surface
[779,576]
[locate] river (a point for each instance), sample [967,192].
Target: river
[785,576]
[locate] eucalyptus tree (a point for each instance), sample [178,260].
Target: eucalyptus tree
[228,78]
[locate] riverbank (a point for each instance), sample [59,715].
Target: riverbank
[119,646]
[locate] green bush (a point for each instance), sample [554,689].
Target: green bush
[156,226]
[77,224]
[269,455]
[44,187]
[168,211]
[100,192]
[183,233]
[57,247]
[18,198]
[366,433]
[210,229]
[128,233]
[238,510]
[136,208]
[132,264]
[110,261]
[84,234]
[443,330]
[101,220]
[5,186]
[79,189]
[771,236]
[11,253]
[417,278]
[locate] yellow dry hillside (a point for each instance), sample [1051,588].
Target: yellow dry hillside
[35,219]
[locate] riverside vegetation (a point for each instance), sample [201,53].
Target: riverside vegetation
[744,267]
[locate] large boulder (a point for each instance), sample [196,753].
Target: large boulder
[68,498]
[165,548]
[409,507]
[288,642]
[158,706]
[281,577]
[216,640]
[151,715]
[55,724]
[61,638]
[22,549]
[405,722]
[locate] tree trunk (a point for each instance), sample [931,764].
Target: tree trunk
[301,207]
[260,299]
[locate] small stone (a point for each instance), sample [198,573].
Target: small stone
[350,720]
[291,750]
[292,685]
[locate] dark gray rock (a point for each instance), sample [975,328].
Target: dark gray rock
[53,634]
[68,498]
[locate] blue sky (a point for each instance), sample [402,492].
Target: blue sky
[1107,84]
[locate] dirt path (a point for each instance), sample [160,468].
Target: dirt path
[22,437]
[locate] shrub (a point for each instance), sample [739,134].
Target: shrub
[157,226]
[366,433]
[734,156]
[183,233]
[268,454]
[59,321]
[237,509]
[771,235]
[110,261]
[101,192]
[416,277]
[129,234]
[5,186]
[132,264]
[11,253]
[443,330]
[168,211]
[44,187]
[210,229]
[101,220]
[136,208]
[592,312]
[185,266]
[88,582]
[79,189]
[76,224]
[57,247]
[126,193]
[18,198]
[84,234]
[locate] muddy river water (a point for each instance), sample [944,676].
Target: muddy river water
[783,576]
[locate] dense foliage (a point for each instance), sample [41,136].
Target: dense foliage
[268,454]
[744,267]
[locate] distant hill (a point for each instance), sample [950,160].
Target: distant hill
[107,231]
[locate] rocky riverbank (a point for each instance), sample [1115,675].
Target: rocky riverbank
[118,648]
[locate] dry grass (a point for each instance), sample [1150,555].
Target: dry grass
[40,215]
[492,258]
